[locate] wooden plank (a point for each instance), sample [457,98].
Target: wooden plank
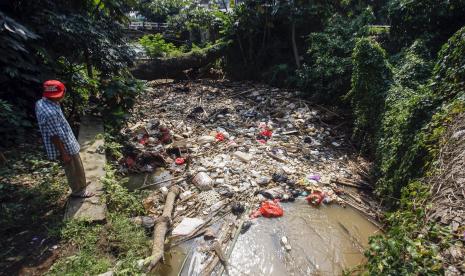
[93,159]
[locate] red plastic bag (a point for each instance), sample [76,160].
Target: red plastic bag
[130,162]
[315,198]
[219,136]
[144,139]
[266,133]
[180,161]
[271,209]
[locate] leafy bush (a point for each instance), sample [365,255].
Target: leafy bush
[160,10]
[88,46]
[449,71]
[370,81]
[399,148]
[408,123]
[118,96]
[197,21]
[156,46]
[414,126]
[117,197]
[280,75]
[326,73]
[13,123]
[98,246]
[432,20]
[411,245]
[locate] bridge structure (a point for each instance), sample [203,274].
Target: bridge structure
[147,26]
[136,29]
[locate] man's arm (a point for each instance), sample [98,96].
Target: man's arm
[61,148]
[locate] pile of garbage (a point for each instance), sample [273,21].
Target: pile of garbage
[239,148]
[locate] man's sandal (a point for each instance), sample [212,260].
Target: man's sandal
[83,194]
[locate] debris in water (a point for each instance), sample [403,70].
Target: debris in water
[187,226]
[285,243]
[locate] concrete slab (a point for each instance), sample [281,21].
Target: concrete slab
[94,160]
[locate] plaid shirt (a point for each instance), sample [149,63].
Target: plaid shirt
[52,122]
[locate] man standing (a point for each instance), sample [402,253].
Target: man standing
[58,137]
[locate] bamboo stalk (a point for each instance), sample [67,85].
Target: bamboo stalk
[161,227]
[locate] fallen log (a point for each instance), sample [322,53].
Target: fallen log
[173,67]
[209,267]
[161,227]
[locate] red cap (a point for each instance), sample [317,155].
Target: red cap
[53,89]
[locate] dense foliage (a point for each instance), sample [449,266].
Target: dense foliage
[414,126]
[412,244]
[159,10]
[398,64]
[431,20]
[155,46]
[370,78]
[327,69]
[78,42]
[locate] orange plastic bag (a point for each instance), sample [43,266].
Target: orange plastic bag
[271,209]
[315,198]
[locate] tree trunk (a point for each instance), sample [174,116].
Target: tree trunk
[159,232]
[88,64]
[174,66]
[294,46]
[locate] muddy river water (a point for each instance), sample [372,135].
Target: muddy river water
[323,241]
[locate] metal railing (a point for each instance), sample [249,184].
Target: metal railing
[143,25]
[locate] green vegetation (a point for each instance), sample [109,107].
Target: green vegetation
[98,246]
[328,65]
[117,197]
[115,246]
[398,65]
[32,193]
[370,78]
[403,90]
[412,244]
[80,43]
[414,127]
[155,46]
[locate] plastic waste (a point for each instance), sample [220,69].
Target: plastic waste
[166,136]
[315,198]
[270,209]
[237,208]
[202,140]
[164,190]
[145,221]
[263,181]
[246,226]
[185,194]
[187,226]
[285,243]
[278,177]
[209,234]
[315,177]
[244,157]
[130,162]
[180,161]
[266,133]
[219,136]
[144,139]
[203,181]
